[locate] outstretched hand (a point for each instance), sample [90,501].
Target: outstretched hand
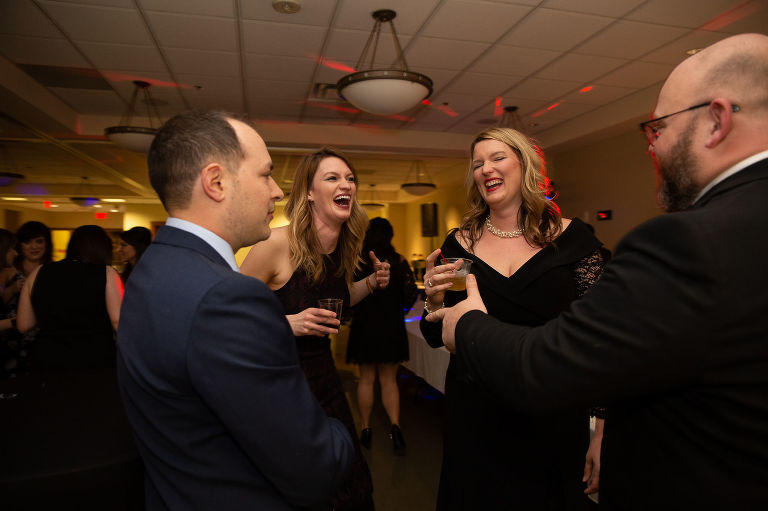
[381,269]
[451,315]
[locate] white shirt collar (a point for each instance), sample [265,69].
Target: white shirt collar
[223,248]
[731,171]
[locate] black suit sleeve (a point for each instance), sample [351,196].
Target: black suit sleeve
[636,331]
[243,362]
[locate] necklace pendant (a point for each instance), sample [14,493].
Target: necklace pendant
[502,234]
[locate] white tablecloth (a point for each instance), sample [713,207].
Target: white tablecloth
[430,364]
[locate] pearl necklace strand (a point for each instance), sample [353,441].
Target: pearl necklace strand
[502,234]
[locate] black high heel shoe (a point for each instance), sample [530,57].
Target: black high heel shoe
[365,438]
[398,441]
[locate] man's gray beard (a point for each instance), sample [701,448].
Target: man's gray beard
[676,190]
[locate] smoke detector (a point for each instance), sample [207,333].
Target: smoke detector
[286,6]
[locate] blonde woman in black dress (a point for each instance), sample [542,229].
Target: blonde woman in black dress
[530,263]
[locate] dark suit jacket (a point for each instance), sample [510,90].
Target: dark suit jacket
[674,339]
[210,379]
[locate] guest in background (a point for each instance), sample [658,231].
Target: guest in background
[9,292]
[75,303]
[35,249]
[530,263]
[312,258]
[377,339]
[133,243]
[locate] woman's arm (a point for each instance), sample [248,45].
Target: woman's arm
[379,279]
[269,259]
[113,296]
[25,314]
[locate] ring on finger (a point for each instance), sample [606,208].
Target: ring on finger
[429,282]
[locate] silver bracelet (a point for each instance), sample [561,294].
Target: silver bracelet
[426,306]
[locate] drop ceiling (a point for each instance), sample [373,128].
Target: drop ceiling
[576,69]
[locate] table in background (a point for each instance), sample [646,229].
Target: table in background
[428,363]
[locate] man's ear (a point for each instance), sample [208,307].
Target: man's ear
[720,120]
[211,178]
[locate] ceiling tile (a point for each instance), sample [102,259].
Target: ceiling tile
[89,101]
[514,60]
[231,103]
[347,45]
[282,39]
[629,39]
[316,12]
[410,15]
[276,89]
[207,85]
[555,30]
[267,106]
[97,24]
[22,17]
[610,8]
[482,83]
[200,62]
[637,74]
[674,52]
[200,7]
[266,67]
[746,18]
[176,31]
[443,53]
[41,51]
[537,88]
[680,14]
[583,68]
[454,19]
[123,57]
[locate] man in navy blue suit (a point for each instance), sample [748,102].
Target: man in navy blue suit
[674,336]
[207,364]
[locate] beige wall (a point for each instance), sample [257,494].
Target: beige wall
[615,174]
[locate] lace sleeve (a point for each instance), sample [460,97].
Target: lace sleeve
[587,271]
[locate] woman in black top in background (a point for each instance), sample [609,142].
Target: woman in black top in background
[133,243]
[377,339]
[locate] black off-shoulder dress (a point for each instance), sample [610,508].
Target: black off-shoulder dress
[496,458]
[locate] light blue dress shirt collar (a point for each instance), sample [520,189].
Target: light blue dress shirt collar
[223,248]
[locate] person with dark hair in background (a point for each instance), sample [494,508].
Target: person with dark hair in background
[378,341]
[133,243]
[207,364]
[75,304]
[35,249]
[10,286]
[532,263]
[673,339]
[315,257]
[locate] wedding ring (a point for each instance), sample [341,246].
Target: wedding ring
[429,282]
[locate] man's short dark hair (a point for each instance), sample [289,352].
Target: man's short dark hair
[183,146]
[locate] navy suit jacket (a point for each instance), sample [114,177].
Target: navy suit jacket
[210,379]
[674,339]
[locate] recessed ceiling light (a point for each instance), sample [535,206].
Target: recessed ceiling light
[286,6]
[112,200]
[15,198]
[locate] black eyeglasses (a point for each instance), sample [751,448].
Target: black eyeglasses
[652,129]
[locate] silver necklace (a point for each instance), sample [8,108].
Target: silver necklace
[502,234]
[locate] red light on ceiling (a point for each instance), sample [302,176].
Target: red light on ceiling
[337,108]
[497,109]
[332,64]
[448,110]
[586,89]
[732,15]
[538,114]
[46,204]
[426,102]
[554,105]
[100,215]
[399,117]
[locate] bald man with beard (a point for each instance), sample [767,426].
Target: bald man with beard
[674,337]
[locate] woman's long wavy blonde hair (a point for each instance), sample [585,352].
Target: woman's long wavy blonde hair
[539,216]
[303,242]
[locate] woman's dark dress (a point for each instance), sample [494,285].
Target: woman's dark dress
[496,458]
[317,363]
[71,311]
[377,333]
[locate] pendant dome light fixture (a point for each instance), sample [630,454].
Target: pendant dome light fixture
[136,138]
[423,184]
[383,91]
